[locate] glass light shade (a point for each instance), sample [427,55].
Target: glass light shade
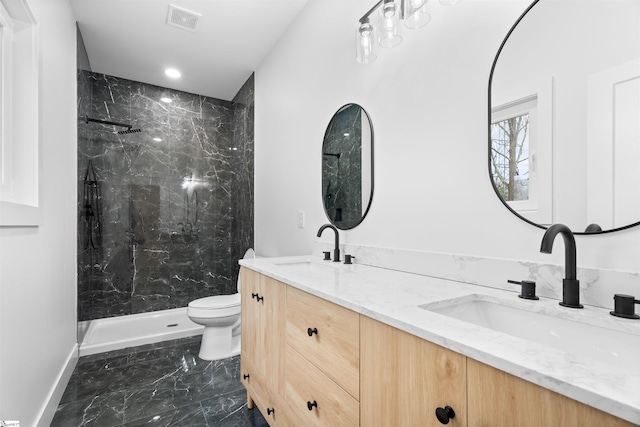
[416,13]
[365,43]
[389,24]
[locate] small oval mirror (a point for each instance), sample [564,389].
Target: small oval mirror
[347,167]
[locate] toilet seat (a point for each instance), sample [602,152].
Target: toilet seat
[216,302]
[215,306]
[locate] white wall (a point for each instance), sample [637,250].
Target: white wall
[38,265]
[428,102]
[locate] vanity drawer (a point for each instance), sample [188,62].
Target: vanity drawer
[327,335]
[306,385]
[272,406]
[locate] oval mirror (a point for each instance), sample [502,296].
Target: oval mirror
[347,167]
[564,100]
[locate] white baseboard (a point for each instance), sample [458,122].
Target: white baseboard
[49,408]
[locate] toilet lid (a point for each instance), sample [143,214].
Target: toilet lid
[217,301]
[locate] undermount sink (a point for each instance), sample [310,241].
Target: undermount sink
[605,345]
[300,265]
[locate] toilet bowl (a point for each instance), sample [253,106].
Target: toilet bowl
[220,316]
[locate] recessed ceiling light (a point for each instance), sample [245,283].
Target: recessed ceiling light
[167,100]
[173,73]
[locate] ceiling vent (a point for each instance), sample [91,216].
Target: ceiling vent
[182,18]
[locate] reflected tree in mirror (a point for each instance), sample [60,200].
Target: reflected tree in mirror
[347,167]
[510,157]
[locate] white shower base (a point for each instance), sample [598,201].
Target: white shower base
[115,333]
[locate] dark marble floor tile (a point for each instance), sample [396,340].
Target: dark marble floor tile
[147,402]
[162,384]
[104,411]
[186,416]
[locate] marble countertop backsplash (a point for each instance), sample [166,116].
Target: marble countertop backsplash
[597,287]
[393,296]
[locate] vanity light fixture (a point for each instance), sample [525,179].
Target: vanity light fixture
[388,33]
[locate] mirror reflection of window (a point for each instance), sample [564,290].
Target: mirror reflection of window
[514,156]
[582,63]
[510,157]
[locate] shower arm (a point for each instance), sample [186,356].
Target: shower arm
[88,119]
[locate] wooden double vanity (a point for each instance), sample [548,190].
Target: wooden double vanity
[307,361]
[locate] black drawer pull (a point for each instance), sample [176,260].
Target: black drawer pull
[312,331]
[310,405]
[254,295]
[245,376]
[257,297]
[445,414]
[270,411]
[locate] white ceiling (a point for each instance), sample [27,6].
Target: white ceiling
[130,39]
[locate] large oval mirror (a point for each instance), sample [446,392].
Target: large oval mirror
[347,167]
[564,127]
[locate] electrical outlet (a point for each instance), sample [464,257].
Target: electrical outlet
[300,219]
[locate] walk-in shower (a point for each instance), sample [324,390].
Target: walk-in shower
[164,213]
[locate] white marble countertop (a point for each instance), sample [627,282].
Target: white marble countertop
[394,297]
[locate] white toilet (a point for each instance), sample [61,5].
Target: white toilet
[220,316]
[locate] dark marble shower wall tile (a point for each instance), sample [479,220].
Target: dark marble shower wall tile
[197,136]
[110,89]
[146,96]
[187,105]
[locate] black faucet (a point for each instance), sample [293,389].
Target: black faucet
[336,249]
[570,284]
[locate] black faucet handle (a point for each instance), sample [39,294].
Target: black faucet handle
[348,258]
[624,306]
[327,255]
[528,289]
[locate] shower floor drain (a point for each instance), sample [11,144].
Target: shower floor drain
[172,325]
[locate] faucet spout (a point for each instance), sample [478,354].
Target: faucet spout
[336,249]
[570,284]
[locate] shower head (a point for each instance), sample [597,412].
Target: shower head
[124,132]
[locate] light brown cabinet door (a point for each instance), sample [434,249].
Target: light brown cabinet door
[404,379]
[273,322]
[498,399]
[263,335]
[250,314]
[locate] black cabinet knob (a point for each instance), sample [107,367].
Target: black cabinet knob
[445,414]
[254,295]
[311,405]
[270,411]
[259,299]
[312,331]
[245,376]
